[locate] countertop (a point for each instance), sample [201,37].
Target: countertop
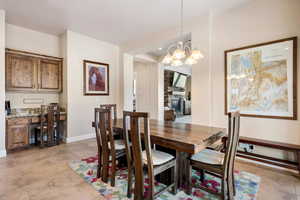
[17,115]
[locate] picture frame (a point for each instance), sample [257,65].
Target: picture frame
[261,80]
[96,78]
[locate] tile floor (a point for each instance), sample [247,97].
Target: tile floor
[43,174]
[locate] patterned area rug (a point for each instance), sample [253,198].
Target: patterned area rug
[247,184]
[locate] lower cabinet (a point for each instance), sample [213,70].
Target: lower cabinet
[17,133]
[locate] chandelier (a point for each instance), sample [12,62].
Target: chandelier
[182,52]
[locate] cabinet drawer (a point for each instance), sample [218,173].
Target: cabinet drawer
[17,121]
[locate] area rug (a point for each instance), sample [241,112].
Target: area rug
[247,184]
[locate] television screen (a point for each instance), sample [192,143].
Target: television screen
[179,80]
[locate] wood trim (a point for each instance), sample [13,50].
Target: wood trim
[267,159]
[295,49]
[285,165]
[84,78]
[249,154]
[267,143]
[31,53]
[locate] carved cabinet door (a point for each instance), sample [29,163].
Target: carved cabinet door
[17,136]
[20,72]
[50,75]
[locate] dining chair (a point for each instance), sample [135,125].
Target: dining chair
[219,164]
[154,161]
[49,125]
[113,108]
[109,149]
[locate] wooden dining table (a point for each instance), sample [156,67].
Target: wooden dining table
[185,139]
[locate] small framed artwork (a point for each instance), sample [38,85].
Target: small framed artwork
[96,78]
[261,80]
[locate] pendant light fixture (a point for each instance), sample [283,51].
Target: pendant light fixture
[182,52]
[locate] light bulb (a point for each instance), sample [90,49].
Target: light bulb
[177,63]
[190,61]
[167,59]
[179,54]
[196,54]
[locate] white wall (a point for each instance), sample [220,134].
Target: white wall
[127,70]
[146,87]
[81,108]
[259,21]
[33,41]
[2,84]
[255,22]
[20,38]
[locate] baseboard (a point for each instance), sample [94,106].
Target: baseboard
[266,165]
[2,153]
[80,137]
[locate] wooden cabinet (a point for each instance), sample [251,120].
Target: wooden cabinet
[18,130]
[32,72]
[50,73]
[17,133]
[20,72]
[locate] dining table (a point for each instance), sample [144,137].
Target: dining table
[185,138]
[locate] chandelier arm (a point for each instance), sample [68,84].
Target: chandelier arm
[187,47]
[172,46]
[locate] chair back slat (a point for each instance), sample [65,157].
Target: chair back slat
[112,108]
[233,139]
[134,119]
[51,116]
[103,128]
[97,130]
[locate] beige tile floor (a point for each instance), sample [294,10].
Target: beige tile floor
[43,174]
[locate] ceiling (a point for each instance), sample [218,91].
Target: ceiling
[163,49]
[115,21]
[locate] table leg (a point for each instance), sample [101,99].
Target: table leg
[184,173]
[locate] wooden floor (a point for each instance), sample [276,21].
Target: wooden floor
[44,175]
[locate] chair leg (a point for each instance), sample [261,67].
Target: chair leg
[189,178]
[233,184]
[113,171]
[41,138]
[230,188]
[202,175]
[99,170]
[105,166]
[57,136]
[129,184]
[36,137]
[175,179]
[99,166]
[223,190]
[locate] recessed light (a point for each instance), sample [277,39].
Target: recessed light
[160,48]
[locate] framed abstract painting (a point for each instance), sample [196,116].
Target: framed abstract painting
[261,80]
[96,78]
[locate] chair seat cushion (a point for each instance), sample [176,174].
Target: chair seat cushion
[158,157]
[209,157]
[119,144]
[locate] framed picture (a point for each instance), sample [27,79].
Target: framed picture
[261,80]
[96,78]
